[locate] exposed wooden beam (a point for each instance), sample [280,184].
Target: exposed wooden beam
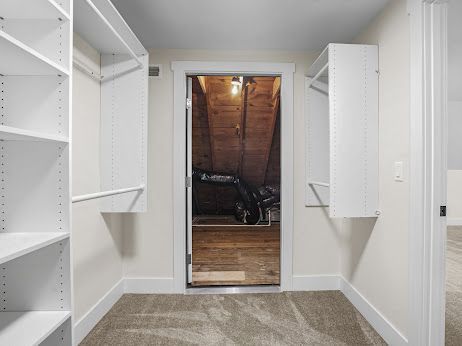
[202,83]
[244,94]
[276,100]
[211,133]
[276,87]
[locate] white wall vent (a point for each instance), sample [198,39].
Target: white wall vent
[155,71]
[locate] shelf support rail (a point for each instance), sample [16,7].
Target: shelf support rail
[89,196]
[316,77]
[318,183]
[114,31]
[85,69]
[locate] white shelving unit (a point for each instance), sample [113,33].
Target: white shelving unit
[35,199]
[342,131]
[124,105]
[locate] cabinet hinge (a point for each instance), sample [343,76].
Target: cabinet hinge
[188,258]
[442,210]
[188,103]
[188,182]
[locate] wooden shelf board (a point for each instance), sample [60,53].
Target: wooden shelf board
[9,133]
[14,245]
[19,59]
[29,327]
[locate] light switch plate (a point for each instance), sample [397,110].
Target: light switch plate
[399,171]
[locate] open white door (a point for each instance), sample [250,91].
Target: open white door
[189,177]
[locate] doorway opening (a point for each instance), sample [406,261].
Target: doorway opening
[234,167]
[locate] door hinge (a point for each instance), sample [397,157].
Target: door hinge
[188,182]
[188,103]
[188,258]
[442,210]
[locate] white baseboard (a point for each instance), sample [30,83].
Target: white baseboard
[316,283]
[149,285]
[454,221]
[386,330]
[83,326]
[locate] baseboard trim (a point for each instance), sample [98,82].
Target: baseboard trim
[83,326]
[454,221]
[149,285]
[386,330]
[316,283]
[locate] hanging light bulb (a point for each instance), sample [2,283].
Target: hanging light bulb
[235,82]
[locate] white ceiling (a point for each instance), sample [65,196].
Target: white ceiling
[247,24]
[455,50]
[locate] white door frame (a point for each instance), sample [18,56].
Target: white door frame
[427,239]
[180,70]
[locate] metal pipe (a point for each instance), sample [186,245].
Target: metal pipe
[105,193]
[319,74]
[318,183]
[114,31]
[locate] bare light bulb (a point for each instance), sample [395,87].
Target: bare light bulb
[235,89]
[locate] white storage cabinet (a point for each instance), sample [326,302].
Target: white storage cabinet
[342,131]
[35,279]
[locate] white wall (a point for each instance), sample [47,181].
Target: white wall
[375,252]
[96,238]
[148,238]
[455,133]
[454,197]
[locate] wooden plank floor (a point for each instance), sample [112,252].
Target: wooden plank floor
[241,255]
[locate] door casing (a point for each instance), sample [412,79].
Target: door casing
[181,69]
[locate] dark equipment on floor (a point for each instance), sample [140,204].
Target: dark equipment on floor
[254,202]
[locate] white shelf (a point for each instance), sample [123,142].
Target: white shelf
[93,29]
[9,133]
[17,59]
[30,327]
[14,245]
[37,9]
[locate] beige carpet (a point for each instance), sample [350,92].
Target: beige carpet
[454,287]
[292,318]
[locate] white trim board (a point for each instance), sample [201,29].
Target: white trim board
[428,76]
[286,71]
[316,283]
[454,221]
[88,321]
[387,331]
[148,285]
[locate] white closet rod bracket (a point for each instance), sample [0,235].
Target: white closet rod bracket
[114,31]
[316,77]
[84,68]
[106,193]
[318,183]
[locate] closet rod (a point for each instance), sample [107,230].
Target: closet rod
[318,183]
[105,193]
[84,68]
[319,74]
[114,31]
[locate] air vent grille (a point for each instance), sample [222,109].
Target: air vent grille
[155,71]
